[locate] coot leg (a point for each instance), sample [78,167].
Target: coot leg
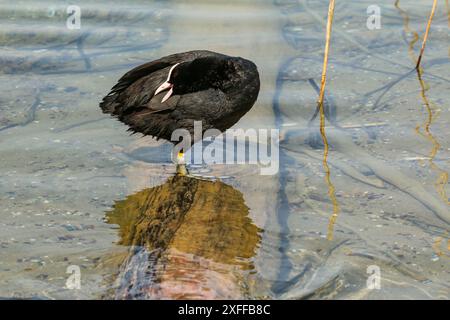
[181,165]
[182,170]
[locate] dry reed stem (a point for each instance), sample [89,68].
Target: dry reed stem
[424,42]
[327,50]
[331,189]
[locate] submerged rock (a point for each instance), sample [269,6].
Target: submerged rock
[188,238]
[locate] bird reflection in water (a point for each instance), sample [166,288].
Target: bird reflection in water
[188,239]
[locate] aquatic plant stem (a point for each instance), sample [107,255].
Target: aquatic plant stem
[424,42]
[331,189]
[443,178]
[327,50]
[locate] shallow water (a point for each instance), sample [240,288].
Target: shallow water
[77,189]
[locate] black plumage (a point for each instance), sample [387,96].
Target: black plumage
[205,86]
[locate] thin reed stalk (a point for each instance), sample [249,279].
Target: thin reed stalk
[331,189]
[327,50]
[424,42]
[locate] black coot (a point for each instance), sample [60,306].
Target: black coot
[171,93]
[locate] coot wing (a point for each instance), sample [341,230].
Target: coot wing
[206,106]
[146,69]
[127,93]
[139,95]
[152,66]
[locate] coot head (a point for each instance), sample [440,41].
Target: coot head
[196,75]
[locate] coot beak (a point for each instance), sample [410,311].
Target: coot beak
[166,85]
[168,94]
